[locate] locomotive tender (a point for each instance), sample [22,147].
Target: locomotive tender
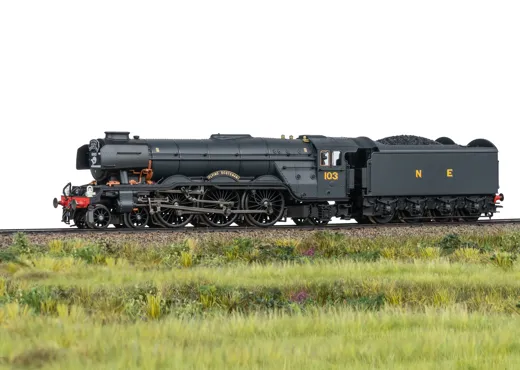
[243,180]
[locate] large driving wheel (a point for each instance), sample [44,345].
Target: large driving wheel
[137,218]
[98,217]
[173,218]
[219,219]
[271,201]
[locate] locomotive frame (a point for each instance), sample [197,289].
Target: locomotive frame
[238,179]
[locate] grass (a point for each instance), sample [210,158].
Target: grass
[332,338]
[324,301]
[127,293]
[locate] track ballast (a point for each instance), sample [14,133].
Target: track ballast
[75,230]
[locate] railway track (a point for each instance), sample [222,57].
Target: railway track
[74,230]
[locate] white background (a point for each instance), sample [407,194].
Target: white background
[71,70]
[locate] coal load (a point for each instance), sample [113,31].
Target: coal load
[407,140]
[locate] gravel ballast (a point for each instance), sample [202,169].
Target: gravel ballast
[166,238]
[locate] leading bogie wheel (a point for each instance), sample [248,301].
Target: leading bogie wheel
[98,217]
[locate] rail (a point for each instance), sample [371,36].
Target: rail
[191,229]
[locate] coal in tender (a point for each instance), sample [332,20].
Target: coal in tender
[407,140]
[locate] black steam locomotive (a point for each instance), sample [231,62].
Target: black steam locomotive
[243,180]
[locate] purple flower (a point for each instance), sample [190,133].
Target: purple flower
[300,296]
[309,252]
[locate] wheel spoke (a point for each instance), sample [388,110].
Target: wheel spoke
[168,217]
[100,216]
[218,219]
[137,218]
[271,201]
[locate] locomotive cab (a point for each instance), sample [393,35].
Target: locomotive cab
[332,174]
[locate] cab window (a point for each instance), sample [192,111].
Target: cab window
[325,158]
[336,158]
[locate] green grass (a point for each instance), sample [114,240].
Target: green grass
[323,339]
[321,301]
[124,293]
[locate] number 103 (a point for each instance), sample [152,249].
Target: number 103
[330,175]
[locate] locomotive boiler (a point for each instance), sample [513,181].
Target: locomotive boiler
[312,179]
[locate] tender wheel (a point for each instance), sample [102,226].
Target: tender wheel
[218,219]
[382,219]
[431,215]
[138,218]
[443,217]
[467,216]
[173,218]
[271,201]
[409,218]
[79,219]
[98,217]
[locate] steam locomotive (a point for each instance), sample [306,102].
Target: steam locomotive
[243,180]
